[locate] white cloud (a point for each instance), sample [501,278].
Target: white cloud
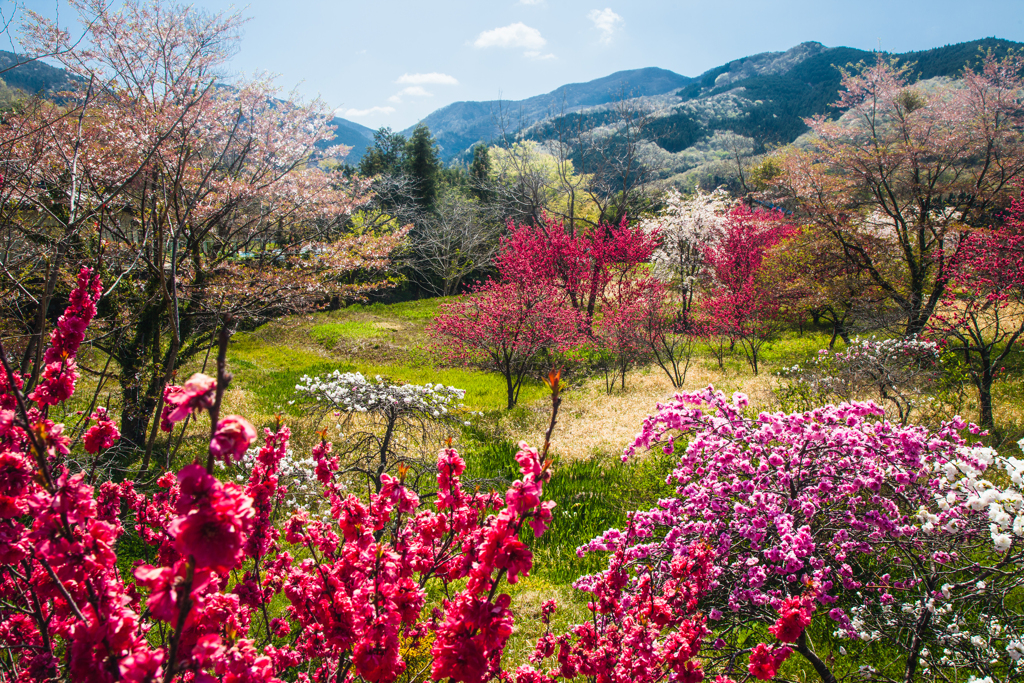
[535,54]
[411,91]
[357,113]
[433,78]
[513,35]
[606,21]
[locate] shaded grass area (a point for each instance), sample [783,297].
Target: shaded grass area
[591,496]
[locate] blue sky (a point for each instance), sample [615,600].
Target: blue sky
[390,63]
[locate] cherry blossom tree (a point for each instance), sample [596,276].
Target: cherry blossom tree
[900,179]
[506,327]
[687,227]
[198,199]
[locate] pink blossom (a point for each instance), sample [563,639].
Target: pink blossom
[232,438]
[196,394]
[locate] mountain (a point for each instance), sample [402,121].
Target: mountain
[747,105]
[459,126]
[34,77]
[350,133]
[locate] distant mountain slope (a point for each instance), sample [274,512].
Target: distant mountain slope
[34,77]
[459,126]
[357,136]
[760,101]
[39,78]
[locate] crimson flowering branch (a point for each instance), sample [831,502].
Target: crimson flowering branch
[205,608]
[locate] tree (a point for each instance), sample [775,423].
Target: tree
[580,264]
[980,321]
[387,155]
[506,327]
[458,239]
[686,228]
[744,303]
[525,182]
[201,201]
[853,540]
[406,423]
[903,373]
[623,309]
[818,278]
[665,330]
[900,179]
[423,166]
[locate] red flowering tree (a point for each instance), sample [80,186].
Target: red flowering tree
[581,264]
[745,305]
[622,312]
[666,329]
[506,327]
[981,320]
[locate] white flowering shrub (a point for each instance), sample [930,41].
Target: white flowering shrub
[688,226]
[901,373]
[296,473]
[382,424]
[352,392]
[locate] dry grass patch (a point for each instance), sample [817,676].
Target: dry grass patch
[594,421]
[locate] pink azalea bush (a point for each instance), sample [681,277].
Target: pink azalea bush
[838,520]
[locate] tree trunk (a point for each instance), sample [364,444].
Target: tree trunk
[511,391]
[820,667]
[985,399]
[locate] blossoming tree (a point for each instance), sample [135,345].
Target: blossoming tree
[980,319]
[580,264]
[687,227]
[744,304]
[197,199]
[399,422]
[506,326]
[907,171]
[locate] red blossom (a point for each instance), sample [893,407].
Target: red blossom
[232,438]
[794,616]
[765,661]
[101,435]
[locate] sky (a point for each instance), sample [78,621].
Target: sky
[390,62]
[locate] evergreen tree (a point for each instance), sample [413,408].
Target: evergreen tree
[387,155]
[423,166]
